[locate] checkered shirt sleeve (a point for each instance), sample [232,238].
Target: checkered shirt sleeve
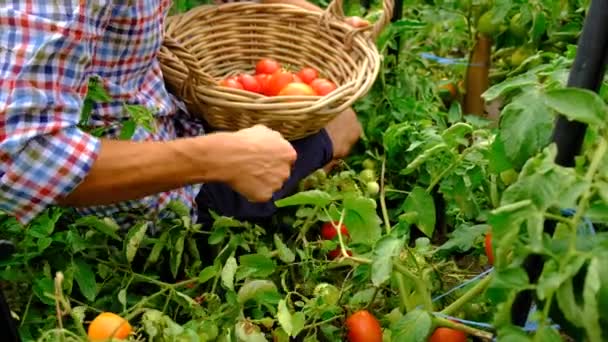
[45,48]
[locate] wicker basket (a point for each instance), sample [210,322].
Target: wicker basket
[208,43]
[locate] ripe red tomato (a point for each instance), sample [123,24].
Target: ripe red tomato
[250,83]
[488,246]
[267,66]
[307,75]
[323,86]
[362,326]
[295,88]
[263,82]
[278,81]
[329,232]
[448,335]
[231,82]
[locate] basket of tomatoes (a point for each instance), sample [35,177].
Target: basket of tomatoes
[291,69]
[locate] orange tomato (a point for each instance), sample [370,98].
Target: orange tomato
[231,82]
[277,82]
[297,89]
[109,325]
[488,247]
[448,335]
[307,75]
[322,86]
[362,326]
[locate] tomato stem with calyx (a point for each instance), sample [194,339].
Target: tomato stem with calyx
[465,298]
[443,322]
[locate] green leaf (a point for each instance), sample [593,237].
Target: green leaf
[361,218]
[159,245]
[122,298]
[133,240]
[382,263]
[507,280]
[255,265]
[591,315]
[127,130]
[285,254]
[85,278]
[421,203]
[228,273]
[176,252]
[207,274]
[292,324]
[106,226]
[313,197]
[248,332]
[503,89]
[42,288]
[464,238]
[566,300]
[580,105]
[254,289]
[548,334]
[525,128]
[413,327]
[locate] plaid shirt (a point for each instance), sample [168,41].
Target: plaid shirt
[48,51]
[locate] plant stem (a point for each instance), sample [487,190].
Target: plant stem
[445,171]
[403,295]
[418,283]
[465,298]
[584,201]
[442,322]
[387,222]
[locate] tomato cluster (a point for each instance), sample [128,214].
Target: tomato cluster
[329,232]
[271,79]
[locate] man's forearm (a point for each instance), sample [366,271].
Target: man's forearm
[127,170]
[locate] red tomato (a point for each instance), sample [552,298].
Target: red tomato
[329,232]
[263,81]
[336,253]
[448,335]
[323,86]
[295,88]
[307,75]
[362,326]
[278,81]
[231,82]
[250,83]
[489,251]
[267,66]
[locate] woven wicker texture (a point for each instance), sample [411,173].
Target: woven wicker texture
[209,43]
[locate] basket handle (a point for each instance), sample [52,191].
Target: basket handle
[186,57]
[336,8]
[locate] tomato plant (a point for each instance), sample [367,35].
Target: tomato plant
[425,192]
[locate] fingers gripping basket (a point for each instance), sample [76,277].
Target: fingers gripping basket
[209,43]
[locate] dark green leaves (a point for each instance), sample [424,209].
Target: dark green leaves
[85,278]
[420,208]
[382,264]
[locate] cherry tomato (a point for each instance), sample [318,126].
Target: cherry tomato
[362,326]
[488,246]
[329,232]
[295,88]
[278,81]
[267,66]
[448,335]
[263,82]
[307,75]
[322,86]
[250,83]
[297,79]
[231,82]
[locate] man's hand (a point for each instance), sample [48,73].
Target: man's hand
[344,132]
[258,164]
